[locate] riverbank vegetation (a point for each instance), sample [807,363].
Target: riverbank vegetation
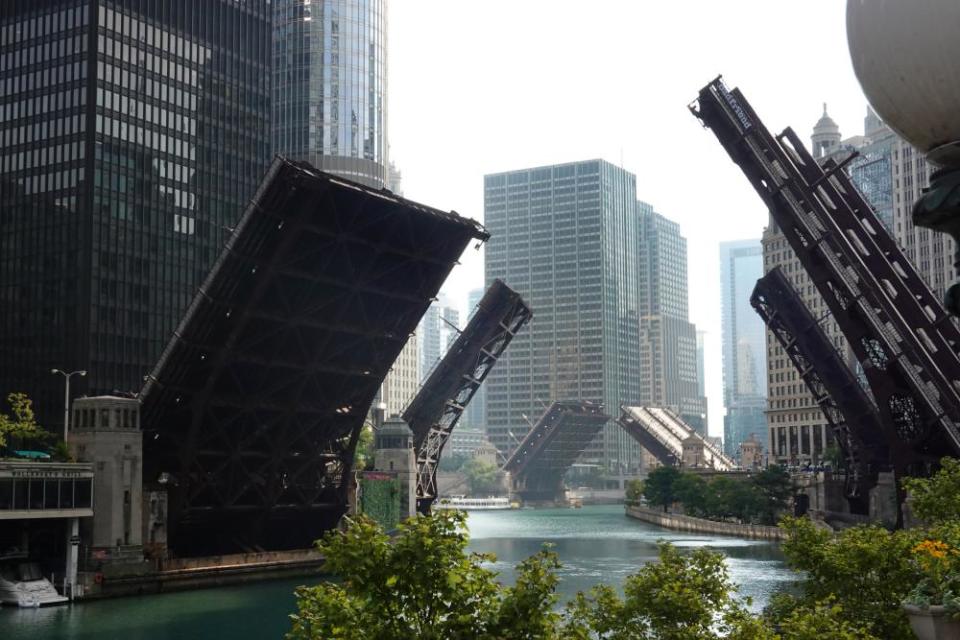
[758,499]
[424,584]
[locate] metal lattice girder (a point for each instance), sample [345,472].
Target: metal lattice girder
[901,344]
[852,415]
[662,432]
[437,407]
[252,414]
[553,444]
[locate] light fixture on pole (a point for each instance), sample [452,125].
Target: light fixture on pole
[66,396]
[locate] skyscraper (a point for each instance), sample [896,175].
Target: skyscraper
[449,327]
[428,334]
[744,345]
[668,340]
[330,85]
[403,381]
[565,237]
[132,135]
[701,363]
[476,414]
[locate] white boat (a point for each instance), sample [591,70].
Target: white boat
[22,584]
[474,504]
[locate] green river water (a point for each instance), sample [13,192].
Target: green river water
[596,544]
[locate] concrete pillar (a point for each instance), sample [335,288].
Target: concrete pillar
[73,555]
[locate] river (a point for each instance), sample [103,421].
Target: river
[595,544]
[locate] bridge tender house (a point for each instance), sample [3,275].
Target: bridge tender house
[37,488]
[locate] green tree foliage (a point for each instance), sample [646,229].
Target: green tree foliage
[775,489]
[866,569]
[759,498]
[681,597]
[937,499]
[365,448]
[481,476]
[422,584]
[634,491]
[21,427]
[658,488]
[691,490]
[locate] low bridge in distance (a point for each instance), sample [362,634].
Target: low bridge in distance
[662,433]
[538,464]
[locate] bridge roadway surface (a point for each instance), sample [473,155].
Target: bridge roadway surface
[596,544]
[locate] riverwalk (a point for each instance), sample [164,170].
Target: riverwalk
[679,522]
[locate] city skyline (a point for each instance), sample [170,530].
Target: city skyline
[641,123]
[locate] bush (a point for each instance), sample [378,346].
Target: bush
[423,584]
[867,569]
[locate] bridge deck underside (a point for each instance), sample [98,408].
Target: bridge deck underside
[555,442]
[252,413]
[668,456]
[663,434]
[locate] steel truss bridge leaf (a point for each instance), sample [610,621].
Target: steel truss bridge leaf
[253,411]
[554,443]
[435,410]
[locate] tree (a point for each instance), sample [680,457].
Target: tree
[422,584]
[658,488]
[691,491]
[937,499]
[868,570]
[634,491]
[22,427]
[481,476]
[365,448]
[775,492]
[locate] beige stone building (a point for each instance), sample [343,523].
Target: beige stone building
[891,175]
[402,383]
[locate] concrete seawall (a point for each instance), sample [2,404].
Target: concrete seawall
[197,573]
[679,522]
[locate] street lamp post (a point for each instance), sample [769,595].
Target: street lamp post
[66,396]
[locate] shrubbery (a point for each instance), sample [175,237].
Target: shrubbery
[423,584]
[851,585]
[758,498]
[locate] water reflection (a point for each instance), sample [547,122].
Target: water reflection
[596,544]
[601,545]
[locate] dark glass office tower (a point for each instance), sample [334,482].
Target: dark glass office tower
[132,134]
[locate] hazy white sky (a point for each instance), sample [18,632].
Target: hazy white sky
[479,87]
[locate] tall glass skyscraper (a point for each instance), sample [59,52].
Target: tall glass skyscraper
[565,237]
[330,85]
[744,345]
[132,134]
[668,340]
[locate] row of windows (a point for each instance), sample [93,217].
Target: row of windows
[42,157]
[43,26]
[151,36]
[20,58]
[37,495]
[37,81]
[42,105]
[165,92]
